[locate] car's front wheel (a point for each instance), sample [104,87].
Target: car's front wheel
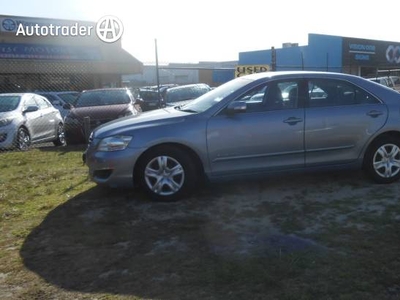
[60,140]
[382,160]
[166,173]
[23,139]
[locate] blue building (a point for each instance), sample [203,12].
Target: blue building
[330,53]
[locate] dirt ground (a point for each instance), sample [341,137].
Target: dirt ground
[115,243]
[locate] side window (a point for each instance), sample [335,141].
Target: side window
[272,96]
[30,102]
[254,98]
[328,92]
[42,103]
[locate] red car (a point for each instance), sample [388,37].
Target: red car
[97,106]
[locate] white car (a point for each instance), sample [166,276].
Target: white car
[27,118]
[384,80]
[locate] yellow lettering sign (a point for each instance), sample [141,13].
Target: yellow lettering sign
[242,70]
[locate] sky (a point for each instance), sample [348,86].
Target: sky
[217,30]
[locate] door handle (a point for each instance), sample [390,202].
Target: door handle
[374,113]
[293,120]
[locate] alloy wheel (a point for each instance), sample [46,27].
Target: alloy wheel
[386,161]
[164,175]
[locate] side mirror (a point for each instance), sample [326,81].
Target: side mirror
[236,107]
[67,106]
[31,108]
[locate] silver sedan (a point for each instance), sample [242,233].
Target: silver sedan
[251,126]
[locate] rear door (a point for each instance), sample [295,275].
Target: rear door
[340,119]
[48,123]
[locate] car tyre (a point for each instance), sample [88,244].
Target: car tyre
[166,173]
[23,139]
[60,141]
[382,160]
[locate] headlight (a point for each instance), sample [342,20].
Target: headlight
[114,143]
[5,122]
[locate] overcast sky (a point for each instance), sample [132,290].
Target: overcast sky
[217,30]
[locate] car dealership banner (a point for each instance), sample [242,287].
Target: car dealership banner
[370,52]
[242,70]
[55,52]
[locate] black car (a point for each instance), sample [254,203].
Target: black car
[149,99]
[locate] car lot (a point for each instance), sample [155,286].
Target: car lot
[253,125]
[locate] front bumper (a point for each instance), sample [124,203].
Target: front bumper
[113,169]
[8,137]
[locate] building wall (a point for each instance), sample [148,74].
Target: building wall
[211,73]
[61,62]
[332,53]
[324,53]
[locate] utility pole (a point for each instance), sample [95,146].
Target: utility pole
[157,75]
[273,59]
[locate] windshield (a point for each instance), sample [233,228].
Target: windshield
[214,96]
[185,93]
[101,98]
[149,95]
[9,103]
[69,97]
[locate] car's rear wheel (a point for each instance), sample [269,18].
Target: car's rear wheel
[382,160]
[23,139]
[166,173]
[60,141]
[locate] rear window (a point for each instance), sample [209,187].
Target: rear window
[148,95]
[69,97]
[185,93]
[101,98]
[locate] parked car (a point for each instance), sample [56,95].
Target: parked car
[326,121]
[99,106]
[384,80]
[149,99]
[183,94]
[61,100]
[27,118]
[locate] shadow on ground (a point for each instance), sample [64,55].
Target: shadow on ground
[207,246]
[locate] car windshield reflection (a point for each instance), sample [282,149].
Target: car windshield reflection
[214,96]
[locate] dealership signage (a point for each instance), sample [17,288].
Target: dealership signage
[242,70]
[11,24]
[40,51]
[370,52]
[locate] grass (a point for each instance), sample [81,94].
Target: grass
[313,237]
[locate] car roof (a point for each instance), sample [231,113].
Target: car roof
[53,92]
[106,89]
[277,74]
[18,94]
[180,87]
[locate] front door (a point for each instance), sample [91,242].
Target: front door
[268,135]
